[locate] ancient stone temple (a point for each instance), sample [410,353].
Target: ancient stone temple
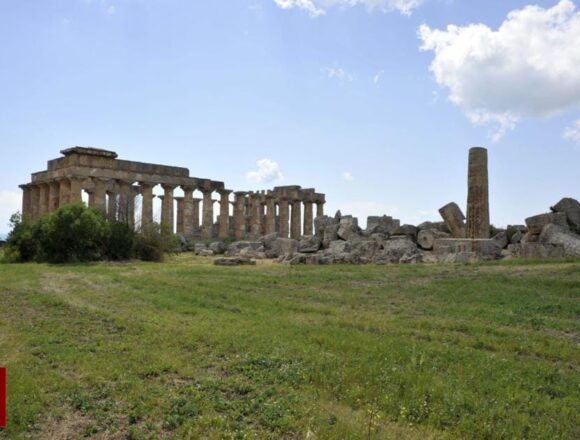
[114,186]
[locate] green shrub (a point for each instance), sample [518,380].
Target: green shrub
[23,242]
[74,233]
[120,241]
[153,241]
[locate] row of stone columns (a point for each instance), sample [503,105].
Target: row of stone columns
[256,214]
[45,197]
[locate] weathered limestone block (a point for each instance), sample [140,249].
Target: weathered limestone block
[218,247]
[537,222]
[236,247]
[348,221]
[284,246]
[408,231]
[486,248]
[558,235]
[331,232]
[477,195]
[571,207]
[233,262]
[501,239]
[382,225]
[536,250]
[439,226]
[309,244]
[365,249]
[348,231]
[396,248]
[454,219]
[339,247]
[426,238]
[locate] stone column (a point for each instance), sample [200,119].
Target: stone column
[188,227]
[179,222]
[295,228]
[255,215]
[224,224]
[454,219]
[112,206]
[284,217]
[76,190]
[320,209]
[477,194]
[270,214]
[98,196]
[239,215]
[35,200]
[207,218]
[308,218]
[167,206]
[126,209]
[146,204]
[40,204]
[53,194]
[195,216]
[63,192]
[26,201]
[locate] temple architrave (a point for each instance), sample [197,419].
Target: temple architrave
[116,186]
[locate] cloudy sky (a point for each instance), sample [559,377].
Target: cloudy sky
[374,102]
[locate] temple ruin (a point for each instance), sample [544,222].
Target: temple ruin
[115,186]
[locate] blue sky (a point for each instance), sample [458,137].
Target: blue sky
[342,99]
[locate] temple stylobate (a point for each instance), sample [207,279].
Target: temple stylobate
[124,191]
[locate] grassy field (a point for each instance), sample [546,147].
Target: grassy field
[184,349]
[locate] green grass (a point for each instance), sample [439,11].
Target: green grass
[185,349]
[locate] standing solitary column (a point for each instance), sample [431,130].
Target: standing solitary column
[477,194]
[295,227]
[146,204]
[239,217]
[284,214]
[207,219]
[167,206]
[308,218]
[224,225]
[188,211]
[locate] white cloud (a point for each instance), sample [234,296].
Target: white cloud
[347,175]
[377,77]
[10,202]
[316,8]
[573,133]
[526,68]
[267,171]
[337,73]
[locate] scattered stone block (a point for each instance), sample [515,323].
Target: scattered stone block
[454,219]
[233,261]
[571,207]
[557,235]
[537,222]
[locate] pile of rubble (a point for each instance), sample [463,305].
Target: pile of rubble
[339,239]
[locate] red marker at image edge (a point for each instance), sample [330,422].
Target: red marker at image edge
[2,397]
